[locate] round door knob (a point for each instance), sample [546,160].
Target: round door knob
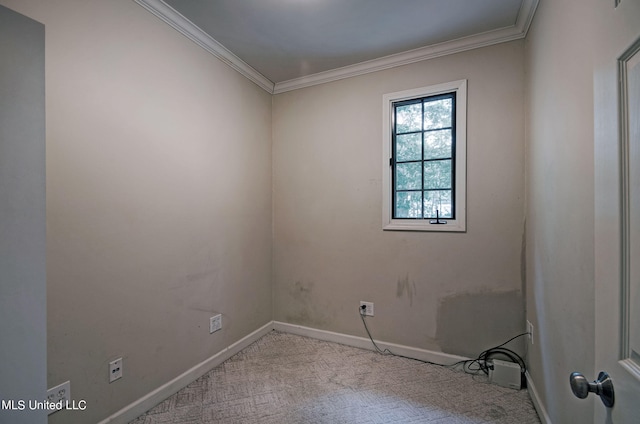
[603,387]
[579,385]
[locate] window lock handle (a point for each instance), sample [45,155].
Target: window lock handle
[437,220]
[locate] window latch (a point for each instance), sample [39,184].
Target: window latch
[437,220]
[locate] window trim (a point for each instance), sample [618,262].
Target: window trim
[459,223]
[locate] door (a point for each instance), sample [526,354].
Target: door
[617,204]
[23,338]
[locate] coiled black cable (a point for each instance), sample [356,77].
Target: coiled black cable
[483,363]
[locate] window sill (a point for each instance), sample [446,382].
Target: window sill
[452,226]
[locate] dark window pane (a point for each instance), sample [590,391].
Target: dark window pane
[437,144]
[439,200]
[409,176]
[423,154]
[408,118]
[408,147]
[437,114]
[408,204]
[437,174]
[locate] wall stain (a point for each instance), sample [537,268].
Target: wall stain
[405,286]
[301,291]
[306,309]
[202,309]
[208,276]
[197,276]
[469,323]
[307,318]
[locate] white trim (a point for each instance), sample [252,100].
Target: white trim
[140,406]
[190,30]
[187,28]
[364,343]
[453,225]
[631,366]
[537,402]
[517,31]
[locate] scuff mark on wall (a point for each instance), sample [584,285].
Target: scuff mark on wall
[203,286]
[405,286]
[306,309]
[209,274]
[301,291]
[306,318]
[469,323]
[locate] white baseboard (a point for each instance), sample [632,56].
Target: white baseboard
[364,343]
[537,402]
[142,405]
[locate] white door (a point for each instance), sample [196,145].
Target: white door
[617,204]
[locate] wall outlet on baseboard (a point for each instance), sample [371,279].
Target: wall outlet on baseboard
[60,393]
[115,370]
[530,331]
[215,323]
[368,308]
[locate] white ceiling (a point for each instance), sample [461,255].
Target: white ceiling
[293,42]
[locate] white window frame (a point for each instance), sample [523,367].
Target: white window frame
[459,223]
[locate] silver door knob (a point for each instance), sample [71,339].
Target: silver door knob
[603,387]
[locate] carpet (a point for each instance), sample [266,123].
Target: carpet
[286,379]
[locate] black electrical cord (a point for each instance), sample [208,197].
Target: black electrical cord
[483,363]
[387,351]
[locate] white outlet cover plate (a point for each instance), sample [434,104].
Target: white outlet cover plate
[369,308]
[215,323]
[115,370]
[61,392]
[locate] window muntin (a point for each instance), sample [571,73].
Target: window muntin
[423,158]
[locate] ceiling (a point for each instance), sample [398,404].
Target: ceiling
[287,44]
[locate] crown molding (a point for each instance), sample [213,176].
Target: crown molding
[190,30]
[517,31]
[187,28]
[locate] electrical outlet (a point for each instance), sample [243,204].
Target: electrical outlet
[60,393]
[215,323]
[530,331]
[115,370]
[368,308]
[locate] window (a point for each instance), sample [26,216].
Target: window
[424,158]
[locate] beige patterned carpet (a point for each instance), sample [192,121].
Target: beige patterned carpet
[283,378]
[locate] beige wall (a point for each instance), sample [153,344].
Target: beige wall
[452,292]
[560,196]
[158,201]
